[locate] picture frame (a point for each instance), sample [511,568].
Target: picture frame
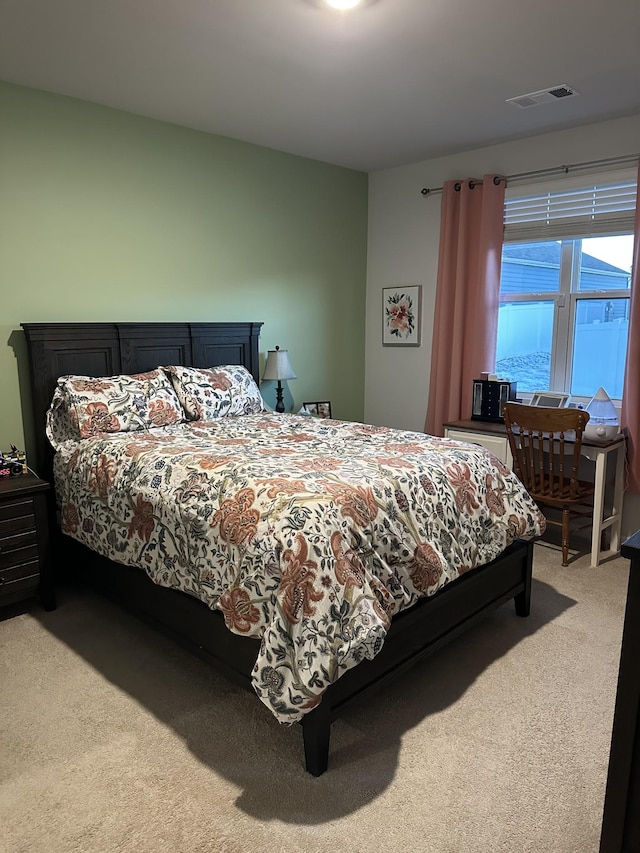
[550,399]
[318,409]
[401,315]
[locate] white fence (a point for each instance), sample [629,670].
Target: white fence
[600,349]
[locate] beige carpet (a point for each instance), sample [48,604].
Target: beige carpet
[112,738]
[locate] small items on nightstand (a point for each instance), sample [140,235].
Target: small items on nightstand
[13,463]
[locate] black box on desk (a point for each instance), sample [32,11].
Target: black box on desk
[489,397]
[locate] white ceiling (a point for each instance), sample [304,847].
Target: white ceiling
[394,82]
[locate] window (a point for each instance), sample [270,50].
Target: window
[565,289]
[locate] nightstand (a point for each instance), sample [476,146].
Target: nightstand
[25,562]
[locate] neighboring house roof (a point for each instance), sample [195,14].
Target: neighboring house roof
[549,253]
[535,268]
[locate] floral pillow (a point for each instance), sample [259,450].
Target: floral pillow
[219,392]
[83,406]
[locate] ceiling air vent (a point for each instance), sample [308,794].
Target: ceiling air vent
[544,96]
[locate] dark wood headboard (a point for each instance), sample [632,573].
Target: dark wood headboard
[108,349]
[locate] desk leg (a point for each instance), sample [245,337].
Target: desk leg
[598,506]
[618,494]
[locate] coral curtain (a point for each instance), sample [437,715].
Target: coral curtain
[467,296]
[630,414]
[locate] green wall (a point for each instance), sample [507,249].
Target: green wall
[109,216]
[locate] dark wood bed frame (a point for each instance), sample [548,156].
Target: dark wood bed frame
[106,349]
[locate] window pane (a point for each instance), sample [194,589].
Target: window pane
[605,263]
[530,268]
[525,333]
[600,345]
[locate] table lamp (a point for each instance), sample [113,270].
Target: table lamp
[278,367]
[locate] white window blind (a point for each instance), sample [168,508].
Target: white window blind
[593,210]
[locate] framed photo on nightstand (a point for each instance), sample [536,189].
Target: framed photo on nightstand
[319,410]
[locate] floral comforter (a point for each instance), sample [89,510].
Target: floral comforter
[309,534]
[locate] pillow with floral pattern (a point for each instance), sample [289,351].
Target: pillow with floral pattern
[84,406]
[217,392]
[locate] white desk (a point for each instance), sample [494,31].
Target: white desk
[494,438]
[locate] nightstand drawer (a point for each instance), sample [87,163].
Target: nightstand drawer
[16,515]
[19,572]
[18,548]
[16,581]
[17,525]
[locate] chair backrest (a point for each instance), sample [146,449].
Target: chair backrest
[545,445]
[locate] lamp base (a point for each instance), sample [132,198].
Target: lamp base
[279,400]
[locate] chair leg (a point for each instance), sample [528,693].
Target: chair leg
[565,537]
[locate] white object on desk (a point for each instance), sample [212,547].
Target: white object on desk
[603,421]
[498,444]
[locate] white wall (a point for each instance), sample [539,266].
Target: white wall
[404,229]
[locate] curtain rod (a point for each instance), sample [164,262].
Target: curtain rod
[588,164]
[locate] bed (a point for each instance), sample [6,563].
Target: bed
[314,598]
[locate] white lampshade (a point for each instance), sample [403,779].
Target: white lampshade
[278,365]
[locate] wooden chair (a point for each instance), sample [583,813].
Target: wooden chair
[545,445]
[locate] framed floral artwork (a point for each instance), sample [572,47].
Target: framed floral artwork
[401,316]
